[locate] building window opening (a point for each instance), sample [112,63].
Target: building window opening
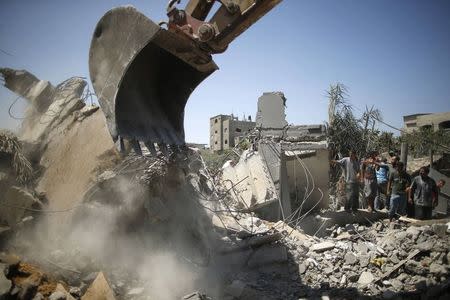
[215,121]
[226,142]
[238,130]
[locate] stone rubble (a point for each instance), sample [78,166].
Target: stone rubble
[254,258]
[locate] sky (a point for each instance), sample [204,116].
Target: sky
[394,55]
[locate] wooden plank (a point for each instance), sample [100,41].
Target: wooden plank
[401,263]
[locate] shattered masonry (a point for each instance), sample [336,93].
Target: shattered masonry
[164,227]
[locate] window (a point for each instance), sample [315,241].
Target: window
[215,142]
[215,121]
[226,142]
[215,132]
[238,130]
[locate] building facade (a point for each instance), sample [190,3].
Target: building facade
[227,130]
[435,121]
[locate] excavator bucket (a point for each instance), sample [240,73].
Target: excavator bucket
[143,76]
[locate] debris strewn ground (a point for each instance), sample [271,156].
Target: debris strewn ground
[92,223]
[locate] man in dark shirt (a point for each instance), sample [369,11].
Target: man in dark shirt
[398,185]
[423,194]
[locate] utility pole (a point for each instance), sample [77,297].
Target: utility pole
[404,153]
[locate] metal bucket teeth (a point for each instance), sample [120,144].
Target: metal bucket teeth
[143,76]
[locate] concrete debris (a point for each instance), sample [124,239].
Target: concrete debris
[350,258]
[324,246]
[65,101]
[135,291]
[27,280]
[17,200]
[281,226]
[61,293]
[38,92]
[86,111]
[99,289]
[196,296]
[365,279]
[268,255]
[249,182]
[243,230]
[50,106]
[5,284]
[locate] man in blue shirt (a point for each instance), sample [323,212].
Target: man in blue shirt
[382,172]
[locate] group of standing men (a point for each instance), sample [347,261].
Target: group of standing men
[388,185]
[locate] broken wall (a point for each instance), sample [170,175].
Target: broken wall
[442,207]
[71,139]
[249,181]
[308,179]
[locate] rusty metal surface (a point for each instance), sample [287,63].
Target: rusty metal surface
[199,9]
[143,76]
[231,19]
[230,26]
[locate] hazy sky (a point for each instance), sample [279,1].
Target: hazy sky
[394,55]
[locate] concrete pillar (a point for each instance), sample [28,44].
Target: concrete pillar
[285,197]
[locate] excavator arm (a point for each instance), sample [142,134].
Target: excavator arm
[143,73]
[229,21]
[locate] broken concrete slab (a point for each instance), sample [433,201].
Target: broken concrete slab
[281,226]
[350,258]
[252,242]
[135,291]
[86,111]
[38,92]
[249,182]
[268,255]
[99,289]
[365,279]
[17,200]
[66,100]
[328,219]
[416,222]
[324,246]
[226,223]
[440,229]
[5,284]
[61,293]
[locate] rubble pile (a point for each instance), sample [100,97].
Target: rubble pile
[383,261]
[96,224]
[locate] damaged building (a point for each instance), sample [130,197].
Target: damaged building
[226,131]
[100,224]
[287,175]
